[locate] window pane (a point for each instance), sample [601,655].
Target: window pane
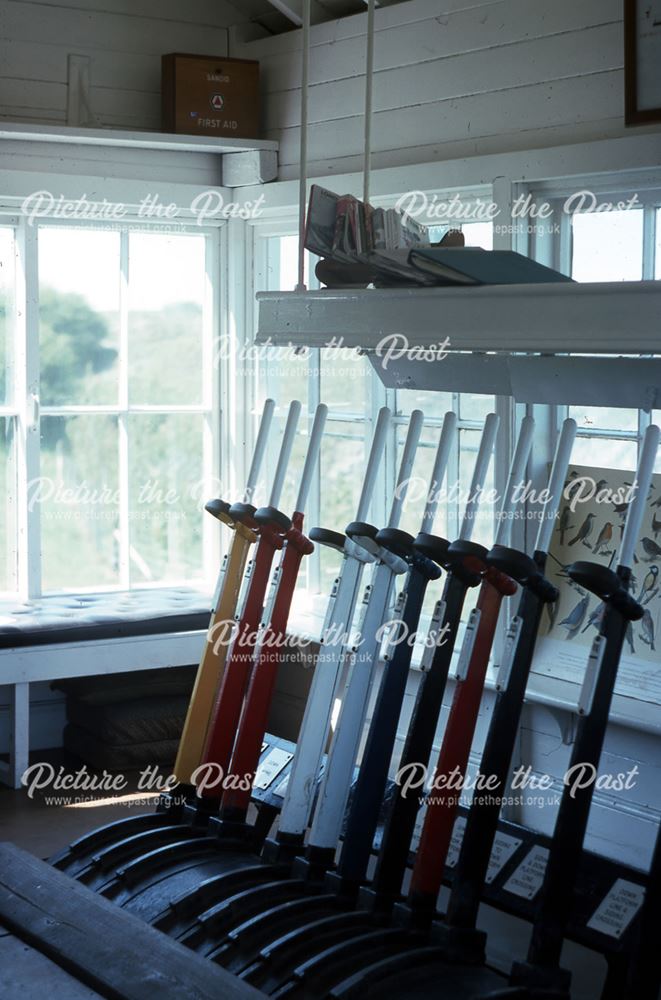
[475,407]
[8,499]
[342,468]
[165,506]
[167,277]
[605,453]
[6,303]
[344,380]
[478,234]
[287,502]
[283,265]
[484,526]
[284,276]
[78,497]
[605,417]
[657,256]
[432,404]
[419,485]
[79,315]
[414,504]
[656,419]
[607,246]
[285,375]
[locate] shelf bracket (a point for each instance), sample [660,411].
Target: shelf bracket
[257,166]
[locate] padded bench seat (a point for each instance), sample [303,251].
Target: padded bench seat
[86,618]
[77,635]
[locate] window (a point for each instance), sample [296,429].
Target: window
[606,436]
[347,383]
[607,246]
[8,414]
[611,246]
[476,234]
[120,440]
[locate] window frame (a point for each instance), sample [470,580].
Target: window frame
[557,251]
[27,410]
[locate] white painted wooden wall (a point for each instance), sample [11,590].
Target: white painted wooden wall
[453,78]
[622,825]
[47,717]
[124,40]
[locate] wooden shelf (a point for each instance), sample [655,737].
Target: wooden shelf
[576,318]
[133,140]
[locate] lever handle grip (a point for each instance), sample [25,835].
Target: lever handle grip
[517,469]
[556,482]
[408,455]
[487,443]
[285,452]
[260,448]
[438,472]
[376,451]
[312,456]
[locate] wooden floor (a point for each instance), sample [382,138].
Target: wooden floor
[43,827]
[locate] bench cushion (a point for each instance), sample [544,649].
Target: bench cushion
[91,617]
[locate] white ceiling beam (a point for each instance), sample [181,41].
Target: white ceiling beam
[293,9]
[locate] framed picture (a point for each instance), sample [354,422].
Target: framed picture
[642,61]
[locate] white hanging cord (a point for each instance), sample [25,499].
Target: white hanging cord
[303,156]
[369,80]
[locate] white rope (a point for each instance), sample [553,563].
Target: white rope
[369,79]
[303,156]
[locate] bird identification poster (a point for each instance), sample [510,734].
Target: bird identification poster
[589,527]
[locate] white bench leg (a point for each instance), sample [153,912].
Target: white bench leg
[19,746]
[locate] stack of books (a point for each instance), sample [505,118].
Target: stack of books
[345,228]
[361,245]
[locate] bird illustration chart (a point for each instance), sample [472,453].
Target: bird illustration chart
[589,526]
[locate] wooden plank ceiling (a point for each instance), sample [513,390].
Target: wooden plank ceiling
[277,16]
